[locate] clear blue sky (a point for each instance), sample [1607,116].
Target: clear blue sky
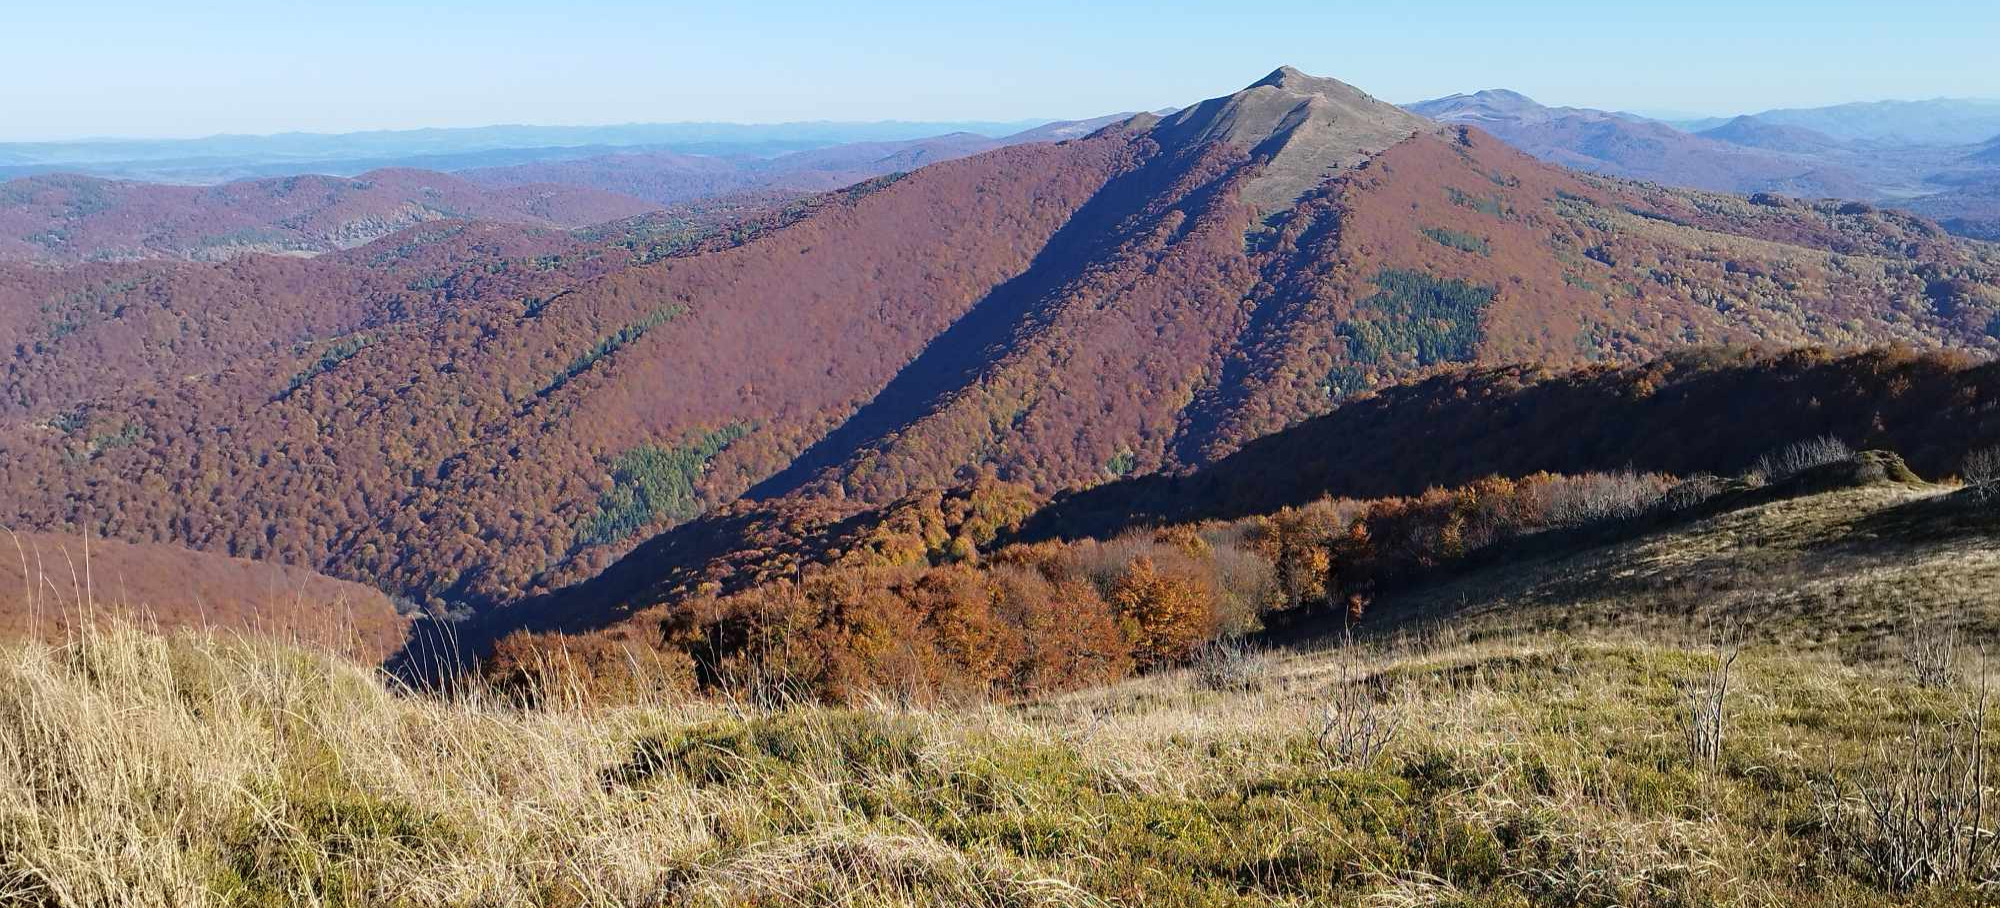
[121,67]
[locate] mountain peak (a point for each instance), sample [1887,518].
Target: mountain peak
[1280,75]
[1306,127]
[1484,105]
[1505,96]
[1751,131]
[1297,81]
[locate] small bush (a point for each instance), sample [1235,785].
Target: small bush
[1357,725]
[1922,816]
[1706,701]
[1692,492]
[1228,665]
[1246,586]
[1982,474]
[1800,456]
[1577,501]
[585,670]
[1929,649]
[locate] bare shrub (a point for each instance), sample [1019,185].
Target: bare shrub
[1598,497]
[1929,651]
[1922,815]
[1246,586]
[1228,666]
[1692,492]
[1357,724]
[1982,473]
[1103,562]
[1706,699]
[1800,456]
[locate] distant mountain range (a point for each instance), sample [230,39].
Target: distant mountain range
[339,191]
[55,218]
[227,157]
[667,178]
[1939,158]
[1940,121]
[73,218]
[1627,146]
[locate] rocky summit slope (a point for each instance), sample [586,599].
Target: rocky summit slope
[1304,128]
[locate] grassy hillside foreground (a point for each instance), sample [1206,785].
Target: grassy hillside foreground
[1474,760]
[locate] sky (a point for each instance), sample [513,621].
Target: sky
[153,69]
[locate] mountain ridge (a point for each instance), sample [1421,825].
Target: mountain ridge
[470,414]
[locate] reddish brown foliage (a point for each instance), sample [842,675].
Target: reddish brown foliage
[429,460]
[445,412]
[1704,410]
[948,632]
[50,585]
[1054,616]
[1168,612]
[608,668]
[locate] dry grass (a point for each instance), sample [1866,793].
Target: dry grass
[1849,570]
[200,770]
[1923,816]
[1478,757]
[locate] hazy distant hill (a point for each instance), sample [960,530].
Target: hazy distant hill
[70,218]
[1752,132]
[1626,146]
[1972,210]
[1912,155]
[225,157]
[669,178]
[1940,121]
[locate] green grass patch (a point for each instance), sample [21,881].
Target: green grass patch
[318,845]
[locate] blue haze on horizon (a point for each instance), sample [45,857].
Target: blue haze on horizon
[145,69]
